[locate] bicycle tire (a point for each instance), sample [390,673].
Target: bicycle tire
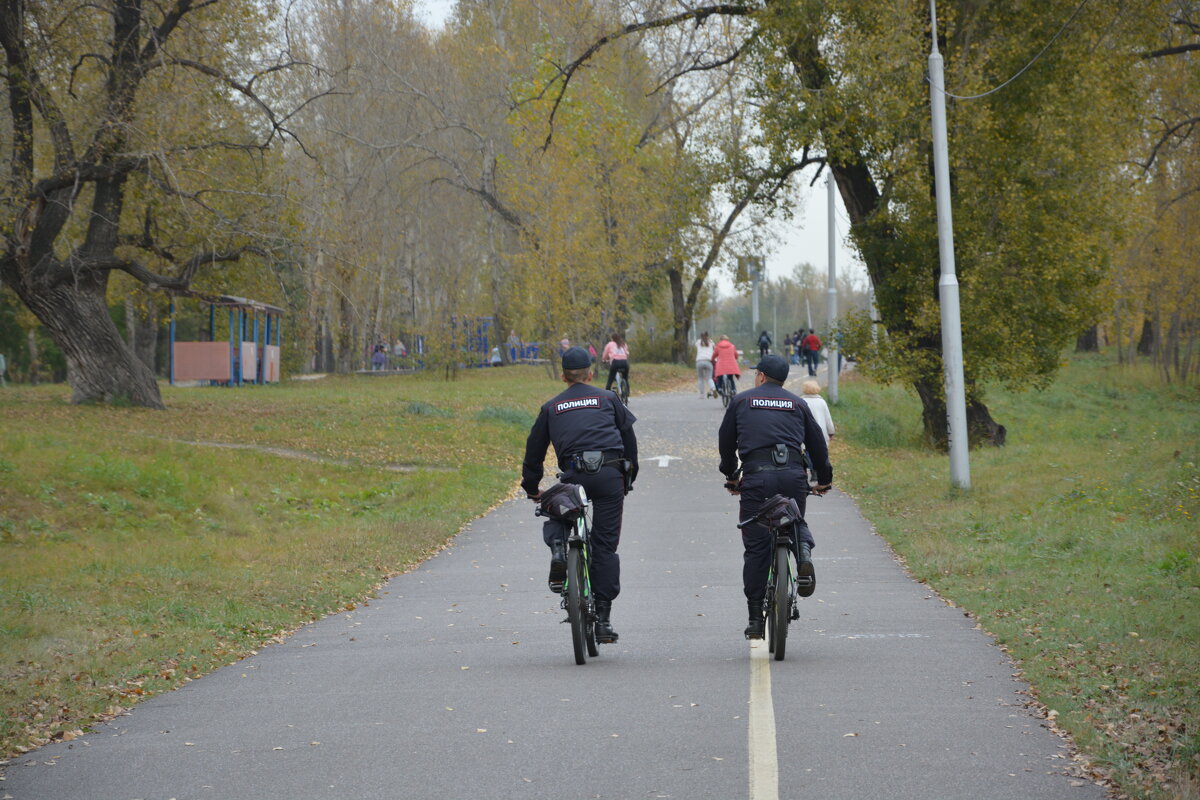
[781,605]
[589,610]
[725,397]
[622,389]
[575,606]
[770,618]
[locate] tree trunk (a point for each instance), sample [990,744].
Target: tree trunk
[147,336]
[347,358]
[981,428]
[681,318]
[1145,346]
[1089,342]
[32,345]
[100,367]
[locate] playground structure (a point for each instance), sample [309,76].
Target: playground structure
[250,355]
[476,336]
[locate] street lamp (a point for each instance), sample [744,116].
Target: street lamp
[952,355]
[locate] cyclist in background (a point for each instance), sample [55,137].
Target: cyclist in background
[769,430]
[592,434]
[725,363]
[616,355]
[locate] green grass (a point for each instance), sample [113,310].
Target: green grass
[136,552]
[1077,547]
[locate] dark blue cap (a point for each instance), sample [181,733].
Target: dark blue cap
[774,367]
[576,358]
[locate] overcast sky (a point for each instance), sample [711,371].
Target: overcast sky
[803,238]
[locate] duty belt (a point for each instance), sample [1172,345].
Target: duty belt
[575,460]
[760,460]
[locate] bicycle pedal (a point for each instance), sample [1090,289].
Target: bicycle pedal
[556,586]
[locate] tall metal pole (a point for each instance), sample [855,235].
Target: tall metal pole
[952,355]
[755,274]
[832,366]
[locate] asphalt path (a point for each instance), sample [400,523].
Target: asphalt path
[458,681]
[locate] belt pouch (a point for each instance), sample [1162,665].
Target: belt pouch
[591,461]
[779,455]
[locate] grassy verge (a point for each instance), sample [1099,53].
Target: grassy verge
[138,549]
[1078,548]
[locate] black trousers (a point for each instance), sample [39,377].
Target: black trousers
[620,365]
[606,490]
[756,539]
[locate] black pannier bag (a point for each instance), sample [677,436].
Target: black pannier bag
[563,501]
[780,511]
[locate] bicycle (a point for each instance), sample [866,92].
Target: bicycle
[568,503]
[784,580]
[725,389]
[621,386]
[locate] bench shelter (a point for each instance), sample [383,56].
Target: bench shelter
[250,353]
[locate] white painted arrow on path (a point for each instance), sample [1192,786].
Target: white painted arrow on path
[664,460]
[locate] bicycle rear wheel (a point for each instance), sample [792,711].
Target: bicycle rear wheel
[589,626]
[589,610]
[781,605]
[576,612]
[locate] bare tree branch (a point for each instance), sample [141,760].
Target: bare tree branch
[1173,51]
[697,15]
[1165,137]
[152,280]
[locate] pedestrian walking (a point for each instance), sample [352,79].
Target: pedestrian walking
[811,345]
[819,408]
[704,366]
[764,344]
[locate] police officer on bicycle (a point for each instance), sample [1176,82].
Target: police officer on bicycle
[592,434]
[771,431]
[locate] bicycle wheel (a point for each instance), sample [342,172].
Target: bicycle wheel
[589,611]
[590,630]
[770,605]
[725,395]
[576,612]
[781,605]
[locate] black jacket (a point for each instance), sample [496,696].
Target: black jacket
[581,418]
[768,415]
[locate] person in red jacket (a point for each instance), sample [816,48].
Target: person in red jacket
[725,363]
[811,346]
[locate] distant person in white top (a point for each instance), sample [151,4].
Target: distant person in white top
[704,366]
[820,410]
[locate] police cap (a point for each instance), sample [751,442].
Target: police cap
[576,358]
[774,367]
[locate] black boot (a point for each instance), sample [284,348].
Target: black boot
[757,627]
[604,629]
[558,566]
[806,577]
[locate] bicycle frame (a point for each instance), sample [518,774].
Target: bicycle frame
[780,568]
[577,536]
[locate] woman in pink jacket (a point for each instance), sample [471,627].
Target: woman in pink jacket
[616,355]
[725,363]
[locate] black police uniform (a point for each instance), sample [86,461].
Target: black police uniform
[581,419]
[756,420]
